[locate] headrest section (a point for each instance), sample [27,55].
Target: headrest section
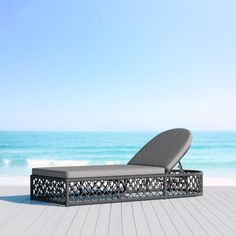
[164,150]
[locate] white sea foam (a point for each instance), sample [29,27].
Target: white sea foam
[48,163]
[113,162]
[6,162]
[4,145]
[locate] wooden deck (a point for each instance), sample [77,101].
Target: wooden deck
[212,214]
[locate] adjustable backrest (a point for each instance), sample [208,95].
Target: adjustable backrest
[164,150]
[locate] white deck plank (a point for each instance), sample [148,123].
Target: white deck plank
[115,226]
[90,223]
[212,201]
[13,202]
[187,218]
[179,223]
[37,225]
[230,195]
[212,214]
[30,219]
[103,220]
[200,216]
[221,216]
[152,219]
[165,220]
[17,200]
[231,189]
[78,221]
[19,219]
[211,217]
[225,195]
[64,224]
[10,211]
[140,219]
[221,200]
[51,224]
[128,219]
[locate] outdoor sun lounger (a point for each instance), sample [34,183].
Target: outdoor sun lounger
[150,174]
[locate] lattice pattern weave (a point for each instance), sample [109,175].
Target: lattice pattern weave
[49,189]
[82,191]
[104,190]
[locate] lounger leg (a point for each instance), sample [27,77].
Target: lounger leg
[31,188]
[67,203]
[165,187]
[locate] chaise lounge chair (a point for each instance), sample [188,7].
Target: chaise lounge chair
[150,174]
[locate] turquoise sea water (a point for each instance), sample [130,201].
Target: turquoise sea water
[212,152]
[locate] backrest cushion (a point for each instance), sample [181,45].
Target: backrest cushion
[164,150]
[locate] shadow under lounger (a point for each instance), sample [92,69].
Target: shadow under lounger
[148,175]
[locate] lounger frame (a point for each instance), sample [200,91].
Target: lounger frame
[96,190]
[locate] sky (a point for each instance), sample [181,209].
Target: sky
[117,65]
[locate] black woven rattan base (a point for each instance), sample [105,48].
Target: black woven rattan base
[82,191]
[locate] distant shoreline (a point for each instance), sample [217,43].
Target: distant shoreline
[211,152]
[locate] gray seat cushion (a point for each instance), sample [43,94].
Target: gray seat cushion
[97,171]
[164,150]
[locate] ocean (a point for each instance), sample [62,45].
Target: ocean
[212,152]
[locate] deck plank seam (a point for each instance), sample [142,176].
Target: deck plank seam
[121,215]
[226,199]
[56,225]
[21,219]
[215,216]
[23,233]
[41,228]
[196,220]
[49,217]
[221,202]
[170,218]
[231,198]
[72,220]
[206,218]
[134,218]
[146,219]
[109,223]
[15,216]
[219,209]
[94,233]
[158,219]
[231,189]
[15,209]
[81,230]
[182,218]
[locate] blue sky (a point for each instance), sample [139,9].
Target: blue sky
[117,65]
